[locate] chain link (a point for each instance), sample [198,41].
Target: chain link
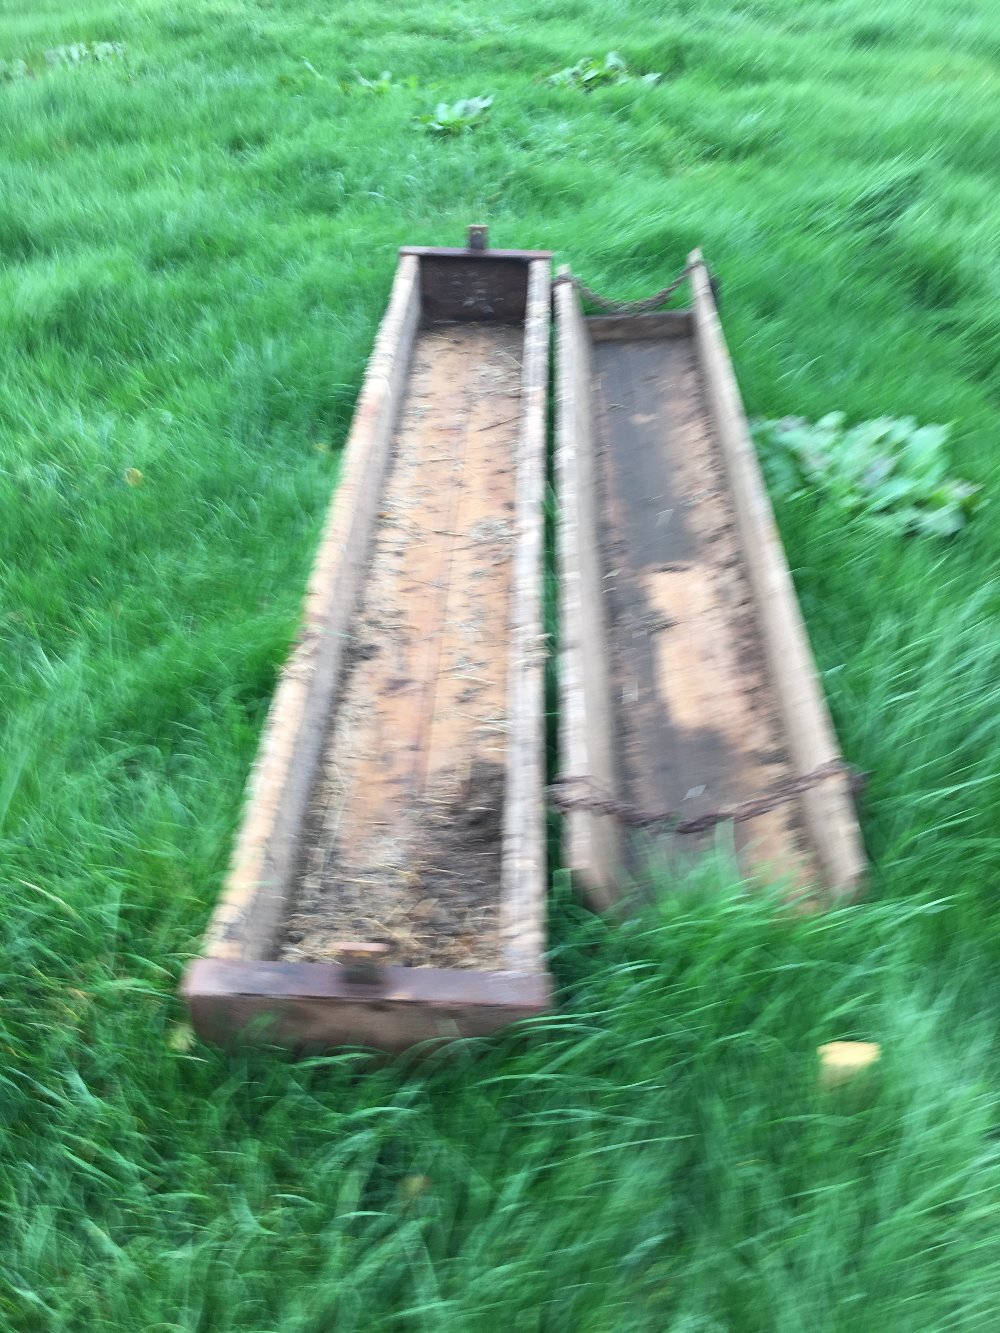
[647,304]
[591,797]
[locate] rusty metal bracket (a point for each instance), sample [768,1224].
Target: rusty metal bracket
[363,964]
[478,236]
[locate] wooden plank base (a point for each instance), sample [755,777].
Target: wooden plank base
[314,1005]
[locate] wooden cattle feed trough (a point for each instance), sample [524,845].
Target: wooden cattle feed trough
[686,678]
[389,884]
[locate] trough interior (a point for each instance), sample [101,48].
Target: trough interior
[402,840]
[696,725]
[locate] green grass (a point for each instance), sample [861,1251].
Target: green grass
[197,242]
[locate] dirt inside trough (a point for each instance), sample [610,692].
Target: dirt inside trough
[403,836]
[697,719]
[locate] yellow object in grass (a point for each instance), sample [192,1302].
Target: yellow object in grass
[842,1061]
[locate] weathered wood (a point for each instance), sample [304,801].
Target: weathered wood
[523,870]
[246,919]
[591,844]
[478,470]
[465,285]
[697,728]
[315,1005]
[811,738]
[692,708]
[404,822]
[463,252]
[636,328]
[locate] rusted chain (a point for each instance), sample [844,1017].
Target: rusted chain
[591,797]
[647,304]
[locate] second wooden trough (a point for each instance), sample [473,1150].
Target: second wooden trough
[687,681]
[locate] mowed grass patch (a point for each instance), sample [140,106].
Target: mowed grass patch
[197,238]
